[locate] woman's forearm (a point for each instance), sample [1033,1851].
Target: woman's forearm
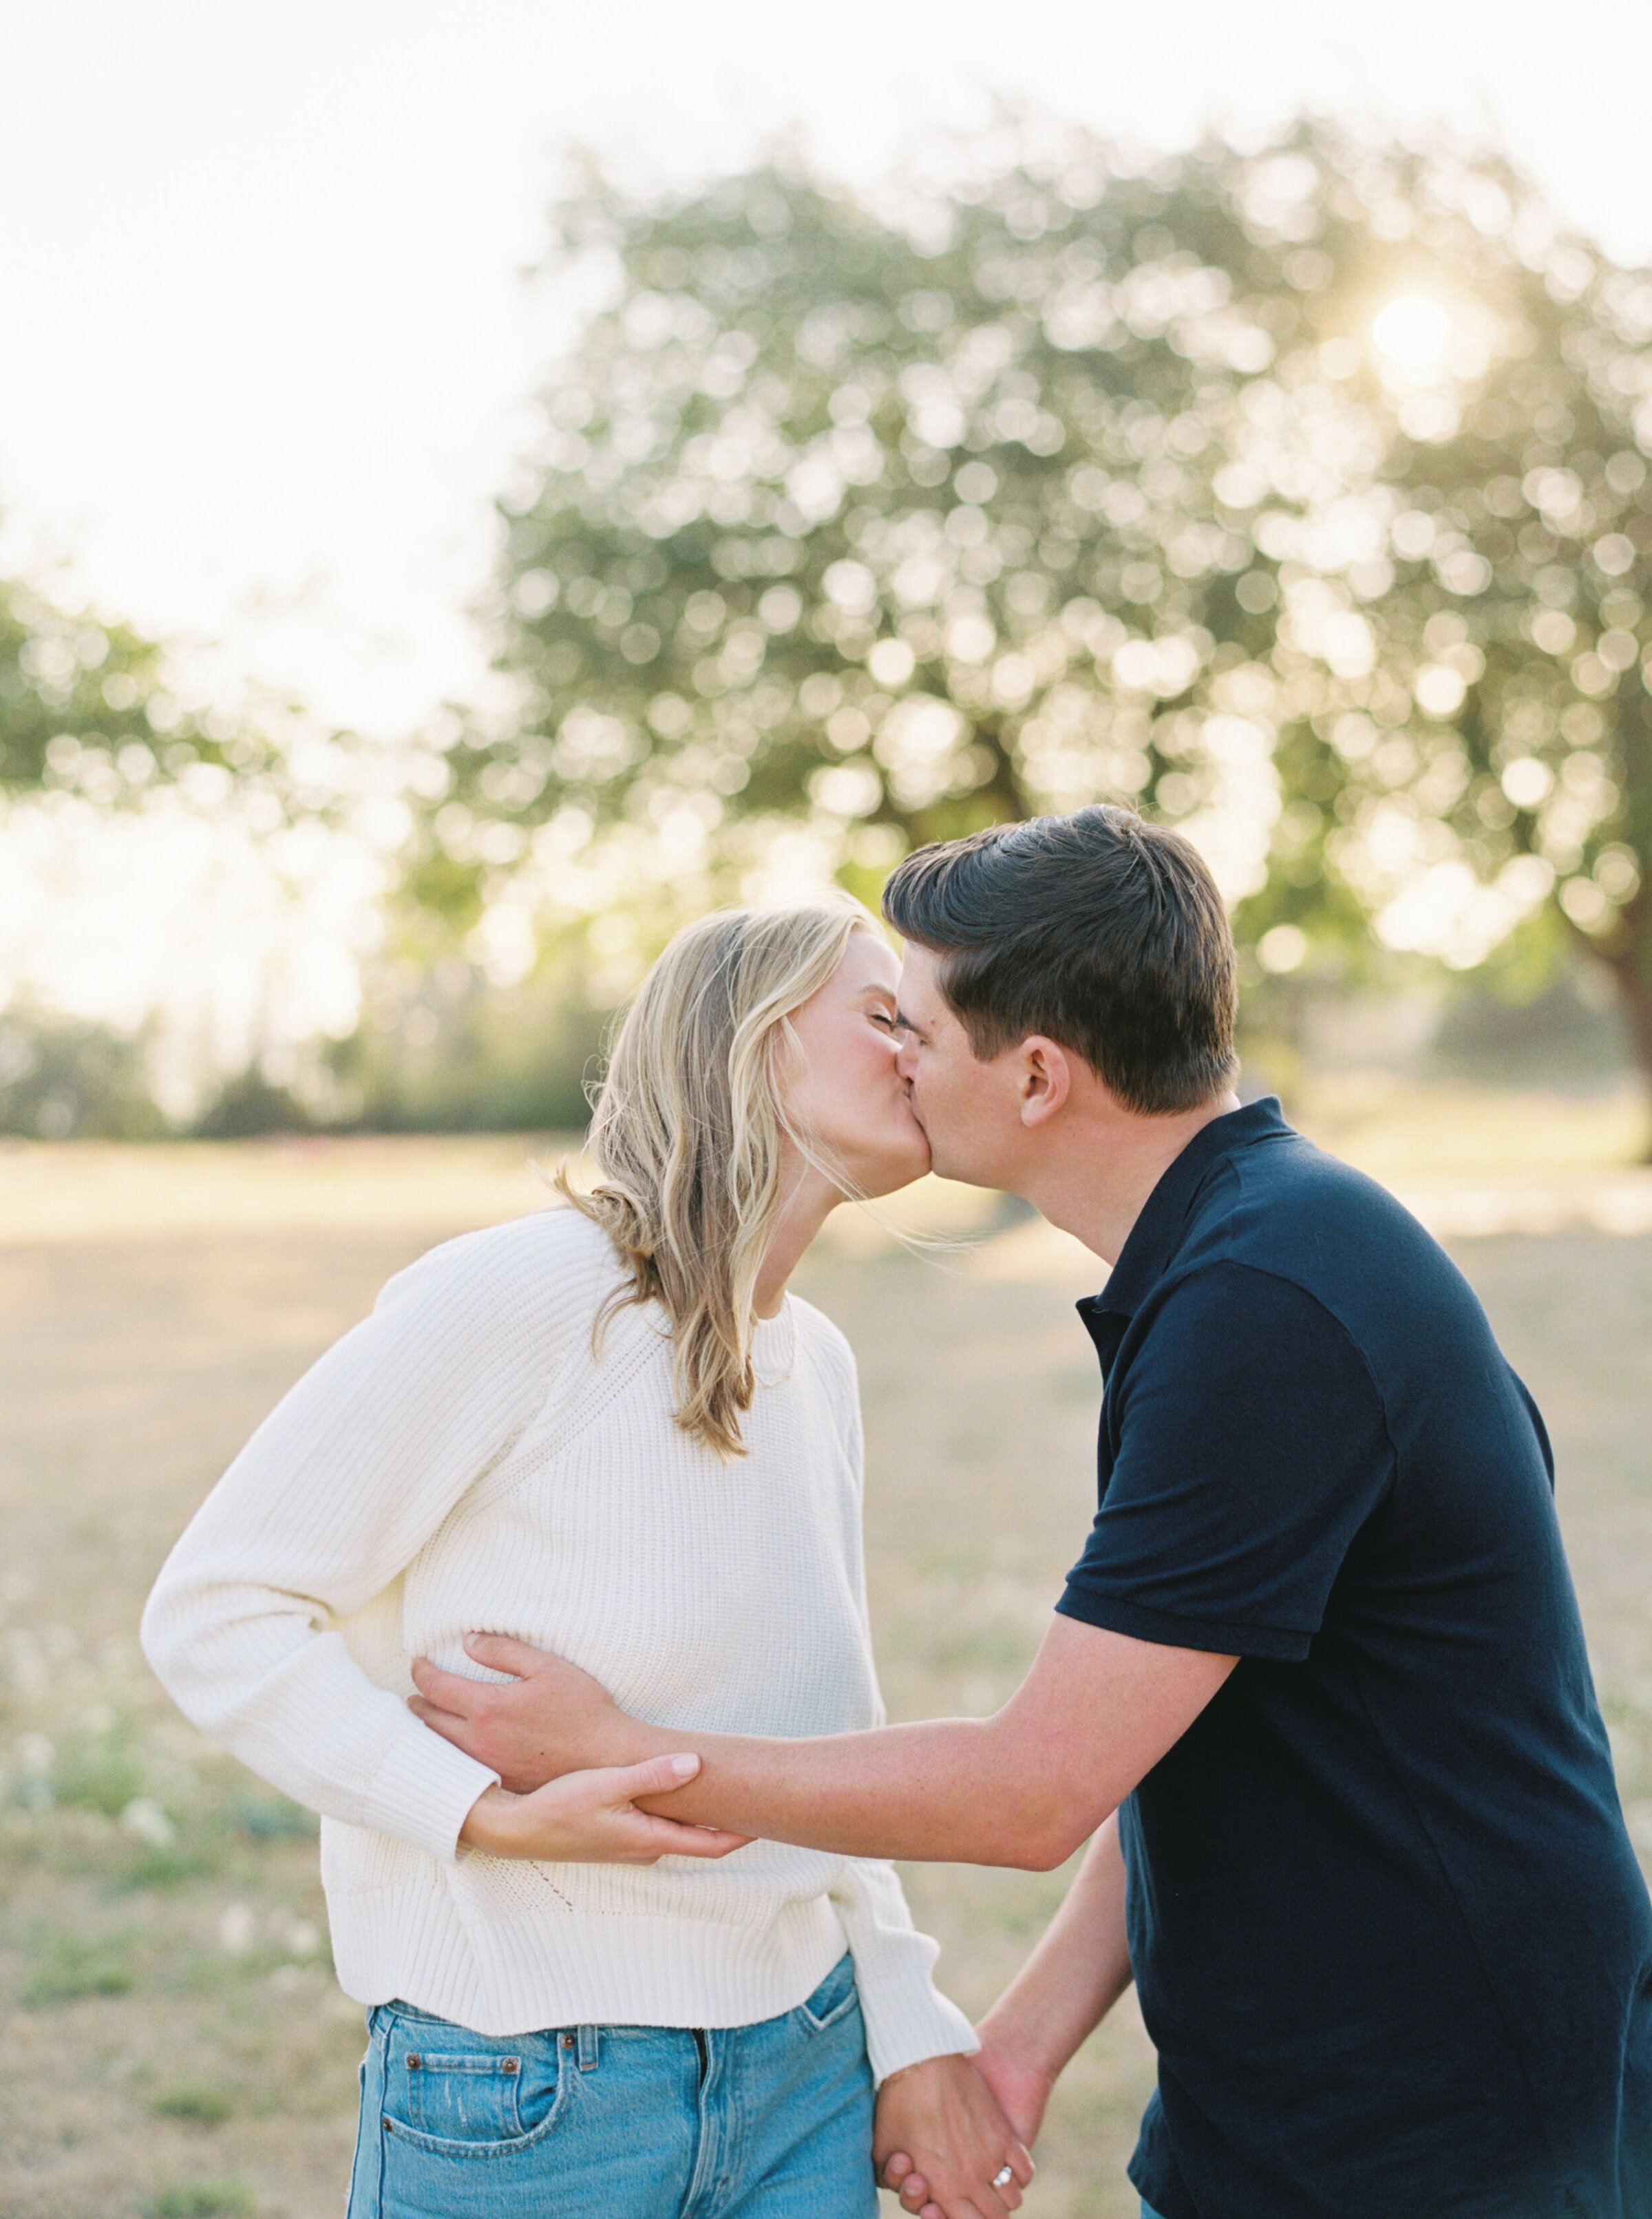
[593,1817]
[1077,1973]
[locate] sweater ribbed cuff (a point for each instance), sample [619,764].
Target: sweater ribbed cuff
[422,1791]
[906,2022]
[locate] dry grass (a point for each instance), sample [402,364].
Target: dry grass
[173,2042]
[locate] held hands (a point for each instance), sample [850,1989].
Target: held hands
[592,1817]
[1023,2089]
[942,2140]
[546,1718]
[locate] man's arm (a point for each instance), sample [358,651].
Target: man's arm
[1072,1980]
[1025,1787]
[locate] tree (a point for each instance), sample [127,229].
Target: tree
[89,708]
[104,756]
[1298,494]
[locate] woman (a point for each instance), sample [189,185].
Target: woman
[606,1429]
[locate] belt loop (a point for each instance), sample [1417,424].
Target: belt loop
[588,2048]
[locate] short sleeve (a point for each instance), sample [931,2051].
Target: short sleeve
[1247,1446]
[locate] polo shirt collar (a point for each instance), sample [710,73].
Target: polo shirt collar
[1158,1231]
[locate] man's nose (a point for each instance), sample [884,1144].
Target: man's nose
[906,1056]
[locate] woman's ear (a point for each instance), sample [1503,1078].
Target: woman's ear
[1044,1075]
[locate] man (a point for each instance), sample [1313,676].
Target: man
[1317,1685]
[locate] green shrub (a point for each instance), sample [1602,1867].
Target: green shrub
[203,2199]
[274,1819]
[205,2107]
[70,1968]
[161,1868]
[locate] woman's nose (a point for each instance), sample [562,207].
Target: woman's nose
[905,1054]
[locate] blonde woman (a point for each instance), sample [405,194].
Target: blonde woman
[605,1429]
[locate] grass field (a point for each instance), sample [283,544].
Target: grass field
[171,2041]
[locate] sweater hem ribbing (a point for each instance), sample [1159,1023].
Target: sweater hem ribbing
[561,1969]
[557,1969]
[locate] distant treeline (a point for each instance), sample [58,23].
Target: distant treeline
[518,1062]
[486,1061]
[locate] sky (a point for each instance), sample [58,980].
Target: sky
[266,350]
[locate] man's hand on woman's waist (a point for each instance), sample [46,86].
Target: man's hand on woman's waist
[1023,1788]
[547,1717]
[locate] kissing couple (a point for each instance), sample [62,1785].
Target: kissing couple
[545,1588]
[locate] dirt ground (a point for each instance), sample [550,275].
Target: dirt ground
[171,2041]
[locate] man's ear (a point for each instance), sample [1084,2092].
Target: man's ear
[1044,1079]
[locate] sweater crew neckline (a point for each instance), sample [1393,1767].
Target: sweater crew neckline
[774,1345]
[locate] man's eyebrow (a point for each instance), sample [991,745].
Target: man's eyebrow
[905,1022]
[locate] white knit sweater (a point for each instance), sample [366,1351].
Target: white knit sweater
[463,1459]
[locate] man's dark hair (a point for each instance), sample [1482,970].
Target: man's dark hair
[1099,930]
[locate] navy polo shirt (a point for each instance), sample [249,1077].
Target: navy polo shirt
[1388,1933]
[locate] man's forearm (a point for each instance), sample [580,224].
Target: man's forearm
[967,1791]
[1024,1787]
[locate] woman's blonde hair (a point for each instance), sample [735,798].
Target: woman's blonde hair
[688,1133]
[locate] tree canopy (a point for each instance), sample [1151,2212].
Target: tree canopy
[1297,495]
[123,791]
[87,708]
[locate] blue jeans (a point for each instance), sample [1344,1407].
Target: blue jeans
[766,2122]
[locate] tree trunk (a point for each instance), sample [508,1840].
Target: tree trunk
[1005,783]
[1628,956]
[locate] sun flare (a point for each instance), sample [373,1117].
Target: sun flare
[1411,331]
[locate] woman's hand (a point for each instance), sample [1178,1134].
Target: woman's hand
[940,2140]
[592,1817]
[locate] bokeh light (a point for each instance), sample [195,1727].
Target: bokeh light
[1412,331]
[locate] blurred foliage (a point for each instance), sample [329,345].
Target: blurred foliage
[89,708]
[60,1080]
[204,2199]
[1296,495]
[203,2105]
[69,1967]
[248,1101]
[1561,1035]
[442,1049]
[101,1769]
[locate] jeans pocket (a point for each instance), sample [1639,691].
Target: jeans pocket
[468,2095]
[834,1999]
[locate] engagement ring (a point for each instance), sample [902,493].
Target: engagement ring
[1003,2176]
